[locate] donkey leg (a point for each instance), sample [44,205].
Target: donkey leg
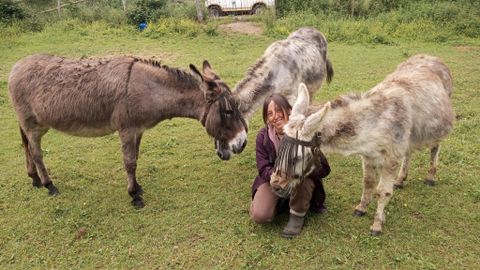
[130,144]
[31,169]
[137,154]
[137,145]
[434,153]
[402,174]
[384,193]
[369,178]
[34,138]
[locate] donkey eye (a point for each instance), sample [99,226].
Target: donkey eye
[229,112]
[211,85]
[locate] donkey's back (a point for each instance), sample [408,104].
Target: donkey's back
[79,97]
[302,56]
[424,86]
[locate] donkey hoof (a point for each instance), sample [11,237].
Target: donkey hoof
[358,213]
[376,233]
[429,182]
[52,190]
[138,203]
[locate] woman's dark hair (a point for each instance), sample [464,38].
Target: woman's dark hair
[281,102]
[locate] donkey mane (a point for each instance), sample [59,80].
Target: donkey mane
[252,74]
[186,78]
[149,61]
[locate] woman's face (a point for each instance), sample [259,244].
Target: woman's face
[276,117]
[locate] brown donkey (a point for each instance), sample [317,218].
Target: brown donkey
[96,97]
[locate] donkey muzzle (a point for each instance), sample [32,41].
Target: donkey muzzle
[280,185]
[237,149]
[223,154]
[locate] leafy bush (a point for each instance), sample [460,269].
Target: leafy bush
[469,28]
[173,26]
[344,7]
[92,13]
[181,10]
[436,10]
[146,10]
[380,21]
[10,11]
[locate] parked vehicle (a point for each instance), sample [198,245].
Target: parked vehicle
[220,7]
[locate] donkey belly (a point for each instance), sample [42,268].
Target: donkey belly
[90,131]
[79,127]
[85,119]
[432,119]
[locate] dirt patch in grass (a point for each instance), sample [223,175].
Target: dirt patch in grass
[248,28]
[467,48]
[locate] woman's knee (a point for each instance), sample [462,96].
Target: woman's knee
[261,217]
[262,209]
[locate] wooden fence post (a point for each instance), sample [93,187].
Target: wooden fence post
[124,2]
[199,10]
[58,7]
[352,6]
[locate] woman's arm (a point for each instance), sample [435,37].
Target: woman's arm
[264,162]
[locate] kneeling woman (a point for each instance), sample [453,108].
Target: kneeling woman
[307,195]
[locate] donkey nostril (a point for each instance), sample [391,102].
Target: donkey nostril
[224,155]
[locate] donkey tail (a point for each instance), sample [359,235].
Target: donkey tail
[329,71]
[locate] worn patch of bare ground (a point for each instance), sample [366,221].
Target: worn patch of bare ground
[242,27]
[467,48]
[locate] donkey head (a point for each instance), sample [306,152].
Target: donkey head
[299,150]
[222,118]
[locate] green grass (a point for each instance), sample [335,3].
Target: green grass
[196,205]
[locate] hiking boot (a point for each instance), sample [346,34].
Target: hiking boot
[293,227]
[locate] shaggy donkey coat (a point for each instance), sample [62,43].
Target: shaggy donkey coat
[411,109]
[96,97]
[301,57]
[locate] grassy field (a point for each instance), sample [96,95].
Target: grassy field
[196,205]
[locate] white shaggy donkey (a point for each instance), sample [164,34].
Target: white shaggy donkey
[411,109]
[301,57]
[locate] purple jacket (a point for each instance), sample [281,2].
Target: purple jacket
[265,155]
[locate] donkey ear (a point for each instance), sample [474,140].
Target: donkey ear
[206,65]
[212,92]
[313,122]
[195,72]
[208,71]
[303,99]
